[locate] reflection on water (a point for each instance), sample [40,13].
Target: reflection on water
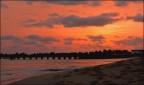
[13,70]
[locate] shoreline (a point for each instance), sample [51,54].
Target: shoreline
[121,72]
[48,70]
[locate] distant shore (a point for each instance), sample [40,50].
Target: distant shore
[126,72]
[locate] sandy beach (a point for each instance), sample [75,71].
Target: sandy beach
[126,72]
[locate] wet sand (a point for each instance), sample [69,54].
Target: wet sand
[126,72]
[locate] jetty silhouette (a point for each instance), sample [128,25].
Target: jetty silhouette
[105,54]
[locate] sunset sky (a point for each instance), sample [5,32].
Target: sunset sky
[71,26]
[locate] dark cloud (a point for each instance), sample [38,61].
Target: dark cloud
[48,23]
[75,21]
[130,41]
[9,37]
[2,5]
[94,3]
[54,15]
[28,21]
[69,2]
[48,40]
[109,14]
[25,42]
[69,41]
[18,48]
[137,18]
[125,3]
[30,40]
[94,47]
[17,40]
[99,38]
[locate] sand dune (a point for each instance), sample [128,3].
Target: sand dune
[126,72]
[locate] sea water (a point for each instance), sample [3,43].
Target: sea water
[14,70]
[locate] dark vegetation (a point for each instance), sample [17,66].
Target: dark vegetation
[105,54]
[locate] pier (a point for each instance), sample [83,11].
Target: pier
[105,54]
[41,58]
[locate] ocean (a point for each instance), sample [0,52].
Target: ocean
[14,70]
